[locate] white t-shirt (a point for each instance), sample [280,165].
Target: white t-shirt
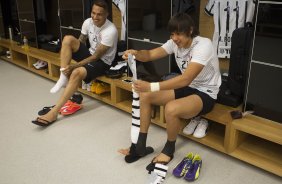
[228,15]
[201,51]
[106,35]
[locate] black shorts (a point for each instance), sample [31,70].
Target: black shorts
[208,102]
[93,69]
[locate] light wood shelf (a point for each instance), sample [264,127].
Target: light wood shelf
[221,114]
[5,43]
[251,139]
[157,118]
[260,127]
[258,141]
[6,59]
[125,105]
[40,72]
[105,79]
[261,153]
[214,138]
[105,97]
[20,63]
[45,56]
[17,48]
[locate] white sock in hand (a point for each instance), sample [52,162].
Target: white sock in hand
[62,82]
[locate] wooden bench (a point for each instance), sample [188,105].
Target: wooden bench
[252,139]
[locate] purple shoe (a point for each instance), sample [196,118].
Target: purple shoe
[194,171]
[182,168]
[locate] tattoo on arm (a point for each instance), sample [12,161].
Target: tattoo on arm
[82,38]
[100,51]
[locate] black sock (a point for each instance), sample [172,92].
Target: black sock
[133,156]
[77,98]
[132,150]
[169,148]
[141,144]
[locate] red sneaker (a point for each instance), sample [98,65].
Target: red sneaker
[67,104]
[71,108]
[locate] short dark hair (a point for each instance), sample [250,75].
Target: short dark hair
[102,3]
[182,23]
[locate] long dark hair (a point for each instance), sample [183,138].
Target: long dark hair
[182,23]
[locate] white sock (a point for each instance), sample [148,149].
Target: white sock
[161,171]
[158,175]
[135,126]
[62,82]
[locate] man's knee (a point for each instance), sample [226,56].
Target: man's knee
[170,110]
[78,74]
[145,98]
[68,40]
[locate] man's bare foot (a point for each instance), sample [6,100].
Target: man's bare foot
[131,155]
[162,158]
[49,117]
[124,151]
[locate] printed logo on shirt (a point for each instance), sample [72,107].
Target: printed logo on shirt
[209,91]
[185,63]
[90,65]
[183,58]
[95,39]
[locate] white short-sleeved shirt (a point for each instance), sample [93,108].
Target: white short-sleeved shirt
[228,15]
[201,51]
[106,35]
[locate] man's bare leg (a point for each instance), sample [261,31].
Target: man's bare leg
[174,111]
[146,101]
[76,77]
[69,45]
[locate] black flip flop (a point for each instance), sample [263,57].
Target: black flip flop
[133,156]
[42,124]
[151,165]
[45,110]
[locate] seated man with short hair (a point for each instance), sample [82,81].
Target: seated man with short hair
[191,94]
[91,63]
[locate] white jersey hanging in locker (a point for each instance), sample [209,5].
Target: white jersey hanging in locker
[228,15]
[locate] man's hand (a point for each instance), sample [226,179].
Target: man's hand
[68,70]
[141,86]
[131,51]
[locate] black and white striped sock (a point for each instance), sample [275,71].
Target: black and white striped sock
[157,176]
[135,127]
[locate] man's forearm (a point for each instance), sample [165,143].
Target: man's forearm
[87,60]
[142,55]
[100,51]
